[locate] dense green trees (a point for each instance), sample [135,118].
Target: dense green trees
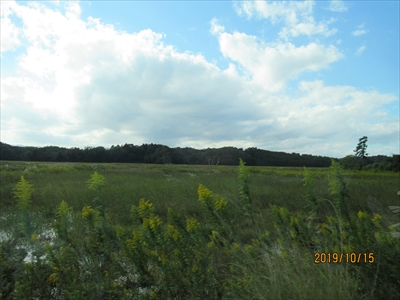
[161,154]
[361,161]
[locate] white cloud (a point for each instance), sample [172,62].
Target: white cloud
[86,83]
[273,64]
[274,10]
[9,32]
[297,16]
[215,27]
[337,6]
[231,70]
[309,29]
[360,50]
[360,30]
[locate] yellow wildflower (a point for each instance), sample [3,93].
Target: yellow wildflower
[155,222]
[152,222]
[192,224]
[145,208]
[146,223]
[119,230]
[173,233]
[204,193]
[219,203]
[214,235]
[131,244]
[235,246]
[362,215]
[376,219]
[87,212]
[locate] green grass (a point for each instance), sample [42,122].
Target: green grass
[203,262]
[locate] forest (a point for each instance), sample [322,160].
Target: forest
[161,154]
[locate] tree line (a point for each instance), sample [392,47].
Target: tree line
[161,154]
[361,161]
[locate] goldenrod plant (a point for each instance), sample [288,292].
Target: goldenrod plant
[338,189]
[95,182]
[198,251]
[23,192]
[243,176]
[309,179]
[62,222]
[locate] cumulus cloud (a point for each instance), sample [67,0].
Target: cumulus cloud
[9,33]
[85,83]
[215,27]
[273,64]
[296,15]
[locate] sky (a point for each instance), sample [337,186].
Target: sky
[309,77]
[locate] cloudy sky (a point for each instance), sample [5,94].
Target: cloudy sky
[310,77]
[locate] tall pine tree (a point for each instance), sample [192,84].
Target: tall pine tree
[361,149]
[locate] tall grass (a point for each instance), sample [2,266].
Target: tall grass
[181,232]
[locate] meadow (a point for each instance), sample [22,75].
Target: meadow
[140,231]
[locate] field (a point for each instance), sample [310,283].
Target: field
[136,231]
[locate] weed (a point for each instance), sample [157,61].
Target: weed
[219,247]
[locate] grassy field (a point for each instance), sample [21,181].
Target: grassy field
[200,232]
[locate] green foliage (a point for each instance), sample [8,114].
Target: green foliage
[243,176]
[212,201]
[351,162]
[338,189]
[244,191]
[171,261]
[159,154]
[309,179]
[62,223]
[95,182]
[216,209]
[23,192]
[200,253]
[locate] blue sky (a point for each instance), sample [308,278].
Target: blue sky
[310,77]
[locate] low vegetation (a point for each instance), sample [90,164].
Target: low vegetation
[124,231]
